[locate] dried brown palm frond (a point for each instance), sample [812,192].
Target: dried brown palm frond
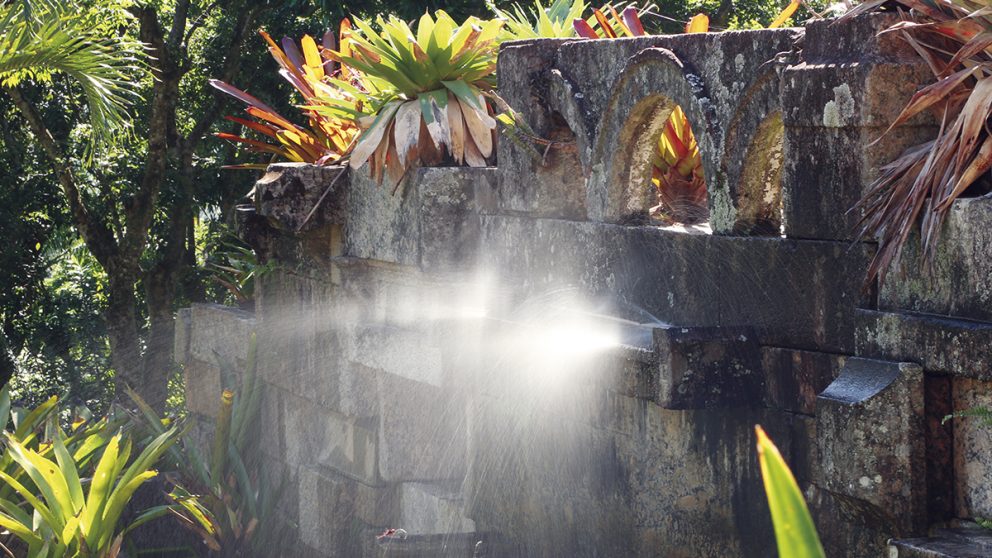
[954,37]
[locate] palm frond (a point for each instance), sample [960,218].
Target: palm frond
[40,38]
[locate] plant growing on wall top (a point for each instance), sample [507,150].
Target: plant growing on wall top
[921,184]
[545,22]
[418,96]
[327,138]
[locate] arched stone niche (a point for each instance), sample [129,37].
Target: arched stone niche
[653,82]
[749,200]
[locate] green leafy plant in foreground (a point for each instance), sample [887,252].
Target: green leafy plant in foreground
[53,503]
[795,532]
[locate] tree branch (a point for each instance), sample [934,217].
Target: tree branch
[232,65]
[165,96]
[95,233]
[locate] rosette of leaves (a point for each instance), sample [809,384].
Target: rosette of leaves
[326,138]
[918,188]
[418,96]
[540,22]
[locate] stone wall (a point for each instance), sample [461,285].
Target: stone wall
[391,403]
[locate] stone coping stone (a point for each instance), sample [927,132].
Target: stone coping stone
[966,541]
[793,293]
[940,344]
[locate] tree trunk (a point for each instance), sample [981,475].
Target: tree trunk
[158,362]
[122,328]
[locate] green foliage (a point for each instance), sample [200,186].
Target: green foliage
[795,532]
[39,39]
[983,414]
[225,498]
[235,267]
[58,497]
[554,21]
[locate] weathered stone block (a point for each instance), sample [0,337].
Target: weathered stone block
[288,192]
[960,283]
[449,215]
[334,511]
[220,332]
[835,103]
[696,280]
[317,436]
[707,367]
[382,225]
[402,352]
[422,433]
[793,379]
[972,449]
[958,347]
[552,184]
[966,541]
[430,508]
[203,387]
[870,454]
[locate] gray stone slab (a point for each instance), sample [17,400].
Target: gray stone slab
[972,449]
[432,509]
[957,347]
[222,331]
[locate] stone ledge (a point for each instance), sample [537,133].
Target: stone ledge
[940,344]
[969,541]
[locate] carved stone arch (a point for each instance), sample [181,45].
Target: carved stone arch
[651,84]
[566,100]
[749,200]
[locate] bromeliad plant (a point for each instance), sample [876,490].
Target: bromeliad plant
[540,22]
[677,173]
[418,96]
[326,138]
[954,37]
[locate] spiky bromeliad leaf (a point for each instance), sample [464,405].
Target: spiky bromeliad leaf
[545,22]
[795,532]
[327,138]
[41,38]
[916,189]
[418,93]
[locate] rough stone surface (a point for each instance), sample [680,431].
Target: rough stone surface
[972,447]
[219,332]
[951,346]
[288,192]
[705,367]
[960,283]
[430,508]
[794,379]
[887,483]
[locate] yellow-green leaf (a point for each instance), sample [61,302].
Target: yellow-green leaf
[795,533]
